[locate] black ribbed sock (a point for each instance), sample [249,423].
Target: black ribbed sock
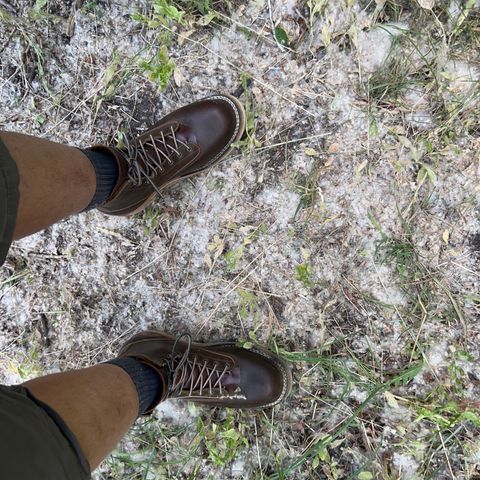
[147,381]
[106,171]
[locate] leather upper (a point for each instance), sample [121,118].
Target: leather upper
[185,142]
[252,378]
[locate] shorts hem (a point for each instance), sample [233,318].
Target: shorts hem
[9,198]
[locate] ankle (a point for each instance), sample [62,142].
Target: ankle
[146,379]
[106,172]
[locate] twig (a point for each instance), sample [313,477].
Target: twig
[422,323]
[295,140]
[7,41]
[7,6]
[446,453]
[270,14]
[457,309]
[258,448]
[149,264]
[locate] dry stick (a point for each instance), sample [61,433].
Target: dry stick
[258,448]
[174,236]
[472,272]
[340,408]
[77,107]
[422,322]
[7,41]
[260,82]
[118,236]
[246,27]
[149,264]
[457,309]
[271,424]
[295,140]
[202,326]
[446,454]
[270,308]
[270,14]
[15,341]
[96,351]
[6,5]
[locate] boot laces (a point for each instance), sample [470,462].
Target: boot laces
[148,157]
[190,374]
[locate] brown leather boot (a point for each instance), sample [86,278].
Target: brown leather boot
[219,374]
[185,142]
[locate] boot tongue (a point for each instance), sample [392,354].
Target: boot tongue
[232,382]
[186,134]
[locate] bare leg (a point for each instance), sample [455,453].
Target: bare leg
[55,181]
[99,404]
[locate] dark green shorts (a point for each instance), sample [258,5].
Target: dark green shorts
[35,443]
[8,200]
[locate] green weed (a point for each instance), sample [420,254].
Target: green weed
[307,187]
[233,257]
[30,367]
[15,278]
[449,409]
[161,451]
[250,139]
[90,6]
[39,5]
[303,273]
[316,8]
[162,13]
[223,441]
[151,219]
[331,367]
[160,68]
[398,74]
[247,304]
[115,75]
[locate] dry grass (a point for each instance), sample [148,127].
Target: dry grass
[343,232]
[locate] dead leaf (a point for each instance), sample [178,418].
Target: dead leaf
[184,36]
[391,400]
[359,169]
[310,152]
[446,236]
[178,77]
[427,4]
[334,148]
[208,261]
[70,25]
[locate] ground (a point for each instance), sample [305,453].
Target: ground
[343,232]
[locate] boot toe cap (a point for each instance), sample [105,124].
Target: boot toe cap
[217,122]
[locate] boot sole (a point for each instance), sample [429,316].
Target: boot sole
[151,198]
